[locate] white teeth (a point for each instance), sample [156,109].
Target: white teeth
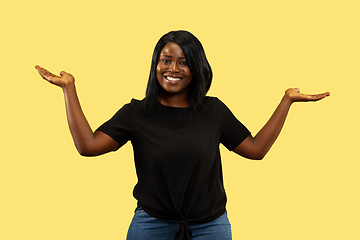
[173,79]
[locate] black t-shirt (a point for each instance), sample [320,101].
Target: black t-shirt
[177,156]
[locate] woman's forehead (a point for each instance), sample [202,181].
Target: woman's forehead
[172,48]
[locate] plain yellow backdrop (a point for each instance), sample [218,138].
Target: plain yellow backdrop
[307,187]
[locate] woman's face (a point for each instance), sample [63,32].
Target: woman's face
[172,70]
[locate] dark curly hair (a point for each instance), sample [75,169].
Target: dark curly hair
[198,64]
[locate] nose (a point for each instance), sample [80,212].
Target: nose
[174,67]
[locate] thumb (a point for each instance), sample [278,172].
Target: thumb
[62,73]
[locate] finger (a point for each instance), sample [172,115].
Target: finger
[52,78]
[317,97]
[45,74]
[323,94]
[38,68]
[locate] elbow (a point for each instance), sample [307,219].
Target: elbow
[85,152]
[251,154]
[260,154]
[260,157]
[250,149]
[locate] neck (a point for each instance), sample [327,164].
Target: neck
[174,100]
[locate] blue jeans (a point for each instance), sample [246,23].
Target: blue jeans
[145,227]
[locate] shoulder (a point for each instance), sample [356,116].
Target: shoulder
[128,108]
[211,100]
[212,106]
[134,103]
[139,108]
[214,102]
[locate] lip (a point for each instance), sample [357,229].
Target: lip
[174,78]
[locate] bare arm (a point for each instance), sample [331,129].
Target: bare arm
[257,147]
[86,142]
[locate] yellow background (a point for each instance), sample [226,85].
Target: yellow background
[307,187]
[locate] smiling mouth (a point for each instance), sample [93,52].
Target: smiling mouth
[173,79]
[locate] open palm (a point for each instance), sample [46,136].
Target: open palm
[295,96]
[63,80]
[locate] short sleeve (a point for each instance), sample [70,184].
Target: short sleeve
[120,126]
[233,132]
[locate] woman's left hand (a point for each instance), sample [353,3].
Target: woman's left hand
[257,147]
[294,95]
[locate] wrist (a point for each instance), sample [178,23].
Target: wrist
[287,99]
[68,86]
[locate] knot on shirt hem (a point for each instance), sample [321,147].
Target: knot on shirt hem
[183,232]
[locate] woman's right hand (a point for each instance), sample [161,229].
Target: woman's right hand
[62,81]
[86,142]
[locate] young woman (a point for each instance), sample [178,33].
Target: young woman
[175,132]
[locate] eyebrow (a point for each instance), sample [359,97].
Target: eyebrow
[171,56]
